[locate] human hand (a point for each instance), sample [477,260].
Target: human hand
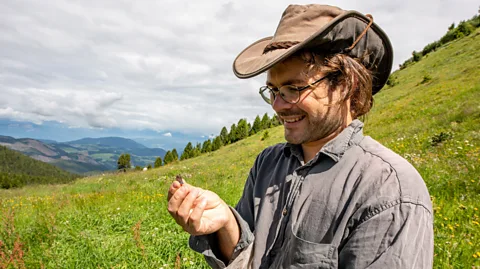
[198,211]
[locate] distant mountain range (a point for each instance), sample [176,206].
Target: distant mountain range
[87,155]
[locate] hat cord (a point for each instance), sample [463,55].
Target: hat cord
[362,34]
[279,45]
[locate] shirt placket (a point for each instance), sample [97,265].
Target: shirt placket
[297,180]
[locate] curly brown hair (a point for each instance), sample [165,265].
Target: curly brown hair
[347,74]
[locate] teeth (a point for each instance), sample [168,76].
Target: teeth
[293,120]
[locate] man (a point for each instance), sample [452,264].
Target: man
[330,197]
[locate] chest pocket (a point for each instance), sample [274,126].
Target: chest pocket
[299,253]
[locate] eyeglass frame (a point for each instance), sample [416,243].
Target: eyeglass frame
[269,101]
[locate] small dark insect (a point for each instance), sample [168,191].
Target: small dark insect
[180,179]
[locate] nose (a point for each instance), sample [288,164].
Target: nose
[279,104]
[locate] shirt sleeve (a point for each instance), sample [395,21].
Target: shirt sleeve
[243,212]
[399,235]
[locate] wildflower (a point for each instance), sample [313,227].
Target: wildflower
[474,255]
[475,208]
[445,218]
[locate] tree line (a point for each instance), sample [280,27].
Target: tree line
[464,28]
[241,130]
[17,170]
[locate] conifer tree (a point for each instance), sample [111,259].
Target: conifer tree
[197,150]
[168,158]
[265,121]
[242,129]
[275,121]
[217,143]
[187,152]
[124,162]
[224,136]
[207,146]
[174,155]
[158,162]
[257,125]
[232,136]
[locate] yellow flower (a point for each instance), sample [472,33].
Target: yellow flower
[445,218]
[474,255]
[475,208]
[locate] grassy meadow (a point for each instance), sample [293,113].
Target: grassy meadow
[431,117]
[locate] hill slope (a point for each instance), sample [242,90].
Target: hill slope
[86,155]
[18,170]
[118,142]
[431,117]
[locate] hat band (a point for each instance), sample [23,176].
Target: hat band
[288,44]
[279,45]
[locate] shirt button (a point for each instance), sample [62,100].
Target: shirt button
[284,212]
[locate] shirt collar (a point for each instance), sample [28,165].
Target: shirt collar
[335,148]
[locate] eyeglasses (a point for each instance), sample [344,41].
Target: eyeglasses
[289,93]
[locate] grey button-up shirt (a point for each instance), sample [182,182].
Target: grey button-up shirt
[357,204]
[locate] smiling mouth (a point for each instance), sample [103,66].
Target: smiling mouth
[293,120]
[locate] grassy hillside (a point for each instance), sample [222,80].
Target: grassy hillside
[17,170]
[431,117]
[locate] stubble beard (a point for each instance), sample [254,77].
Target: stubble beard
[317,127]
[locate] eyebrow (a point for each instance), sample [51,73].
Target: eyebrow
[289,82]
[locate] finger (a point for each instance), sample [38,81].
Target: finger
[184,210]
[176,200]
[195,220]
[173,188]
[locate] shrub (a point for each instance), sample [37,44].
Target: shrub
[266,135]
[426,78]
[439,138]
[392,81]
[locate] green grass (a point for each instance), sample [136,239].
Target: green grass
[121,221]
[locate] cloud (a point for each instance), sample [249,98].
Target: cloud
[167,134]
[107,64]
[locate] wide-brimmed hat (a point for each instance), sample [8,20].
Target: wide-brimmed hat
[321,28]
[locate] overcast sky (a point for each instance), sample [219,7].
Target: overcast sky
[163,65]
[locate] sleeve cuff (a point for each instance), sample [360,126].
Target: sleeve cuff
[207,244]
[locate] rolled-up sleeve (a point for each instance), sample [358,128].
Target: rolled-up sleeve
[208,245]
[394,236]
[243,212]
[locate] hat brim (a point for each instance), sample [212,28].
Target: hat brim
[333,37]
